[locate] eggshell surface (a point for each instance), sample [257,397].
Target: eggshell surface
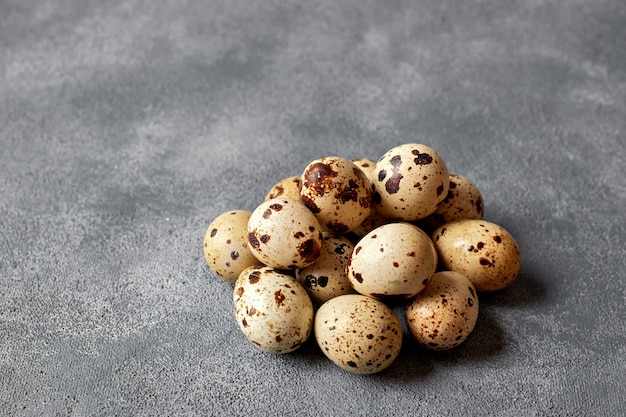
[226,249]
[366,165]
[464,201]
[358,333]
[284,234]
[483,251]
[337,192]
[444,314]
[273,310]
[409,181]
[326,278]
[393,260]
[285,188]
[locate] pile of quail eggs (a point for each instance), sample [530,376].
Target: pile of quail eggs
[330,251]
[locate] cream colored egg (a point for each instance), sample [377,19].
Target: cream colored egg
[326,278]
[273,310]
[408,182]
[284,234]
[444,313]
[226,249]
[464,201]
[358,333]
[483,251]
[337,192]
[393,260]
[366,165]
[285,188]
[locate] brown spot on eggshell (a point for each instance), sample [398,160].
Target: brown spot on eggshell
[252,239]
[309,250]
[310,204]
[254,277]
[422,158]
[316,177]
[279,297]
[392,185]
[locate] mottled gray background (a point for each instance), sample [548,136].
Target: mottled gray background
[127,126]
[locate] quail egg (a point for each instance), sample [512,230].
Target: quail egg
[273,310]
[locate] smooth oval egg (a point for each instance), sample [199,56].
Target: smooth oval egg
[273,310]
[337,192]
[226,249]
[359,334]
[464,201]
[284,234]
[326,278]
[366,165]
[393,260]
[483,251]
[444,313]
[286,188]
[408,182]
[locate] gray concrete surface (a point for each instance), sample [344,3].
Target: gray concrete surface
[127,126]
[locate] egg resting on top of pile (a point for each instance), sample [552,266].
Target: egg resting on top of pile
[408,182]
[337,192]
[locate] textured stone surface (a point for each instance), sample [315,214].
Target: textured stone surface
[127,126]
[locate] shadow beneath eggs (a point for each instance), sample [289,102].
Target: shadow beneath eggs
[416,362]
[307,355]
[526,289]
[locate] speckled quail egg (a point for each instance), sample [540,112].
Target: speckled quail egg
[393,260]
[464,201]
[366,165]
[409,181]
[326,278]
[358,333]
[284,234]
[483,251]
[226,247]
[444,313]
[286,188]
[337,192]
[273,310]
